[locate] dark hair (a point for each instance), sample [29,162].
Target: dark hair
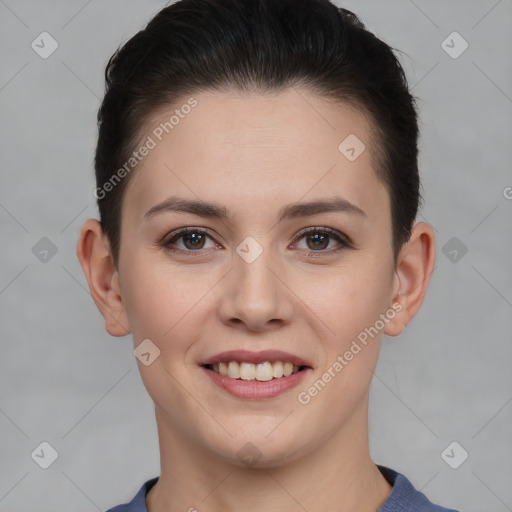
[258,46]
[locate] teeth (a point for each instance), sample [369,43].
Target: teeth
[223,369]
[264,371]
[278,369]
[247,371]
[234,370]
[288,369]
[261,372]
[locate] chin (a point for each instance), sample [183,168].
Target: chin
[257,451]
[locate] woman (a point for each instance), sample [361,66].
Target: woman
[257,183]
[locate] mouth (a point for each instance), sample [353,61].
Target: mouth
[255,375]
[262,372]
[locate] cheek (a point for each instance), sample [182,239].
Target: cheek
[161,300]
[167,306]
[351,299]
[356,297]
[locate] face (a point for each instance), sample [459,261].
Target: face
[258,276]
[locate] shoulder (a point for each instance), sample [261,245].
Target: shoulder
[138,503]
[405,497]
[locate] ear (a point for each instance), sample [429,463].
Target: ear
[415,264]
[93,251]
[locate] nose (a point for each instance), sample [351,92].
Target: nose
[254,295]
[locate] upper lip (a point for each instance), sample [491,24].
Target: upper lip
[256,357]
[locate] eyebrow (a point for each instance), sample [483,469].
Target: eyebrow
[290,211]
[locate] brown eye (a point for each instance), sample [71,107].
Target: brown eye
[319,240]
[192,240]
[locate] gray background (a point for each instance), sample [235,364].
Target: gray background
[64,380]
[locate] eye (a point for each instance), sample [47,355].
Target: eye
[193,239]
[189,240]
[318,239]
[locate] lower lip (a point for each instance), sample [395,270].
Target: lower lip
[255,389]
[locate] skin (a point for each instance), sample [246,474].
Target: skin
[253,154]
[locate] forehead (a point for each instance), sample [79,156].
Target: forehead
[258,149]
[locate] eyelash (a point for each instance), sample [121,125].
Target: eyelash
[343,241]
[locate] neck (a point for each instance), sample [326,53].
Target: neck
[339,476]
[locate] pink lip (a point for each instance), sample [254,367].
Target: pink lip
[254,389]
[256,357]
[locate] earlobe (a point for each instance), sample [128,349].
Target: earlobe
[94,254]
[415,265]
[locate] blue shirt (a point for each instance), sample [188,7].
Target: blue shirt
[403,498]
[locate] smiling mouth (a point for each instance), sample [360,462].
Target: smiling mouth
[262,372]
